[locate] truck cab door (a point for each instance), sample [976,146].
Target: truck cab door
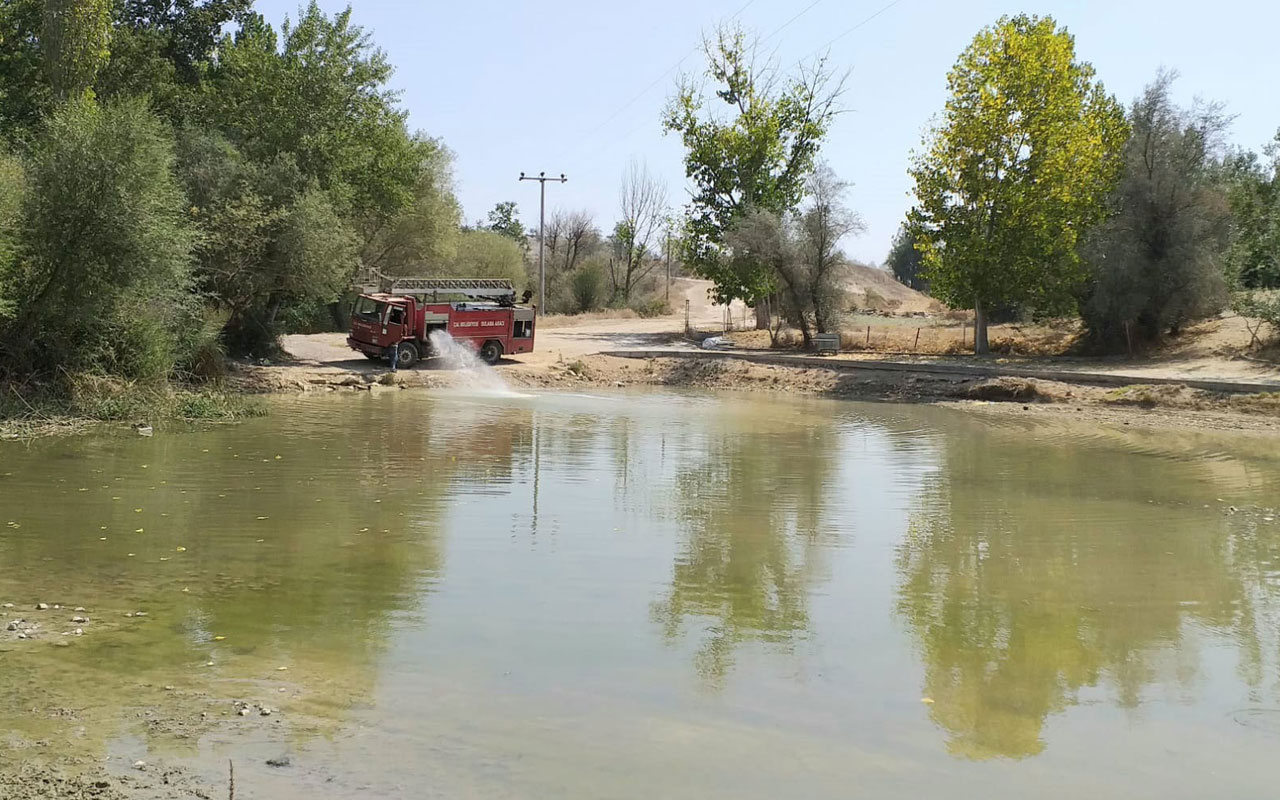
[395,324]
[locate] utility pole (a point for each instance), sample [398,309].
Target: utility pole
[668,267]
[542,234]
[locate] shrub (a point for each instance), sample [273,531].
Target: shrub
[653,307]
[1258,309]
[587,286]
[104,284]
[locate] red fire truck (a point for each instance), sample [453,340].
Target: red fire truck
[481,313]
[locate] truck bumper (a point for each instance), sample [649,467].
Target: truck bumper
[364,347]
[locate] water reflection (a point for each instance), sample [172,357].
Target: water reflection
[1031,571]
[750,499]
[275,554]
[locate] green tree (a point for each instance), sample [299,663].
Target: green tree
[272,242]
[486,254]
[25,94]
[422,237]
[757,160]
[75,40]
[164,48]
[1158,261]
[104,284]
[320,97]
[1254,191]
[505,219]
[905,261]
[1016,173]
[13,194]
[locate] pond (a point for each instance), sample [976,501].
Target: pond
[641,595]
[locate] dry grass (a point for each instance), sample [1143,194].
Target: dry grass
[926,337]
[575,320]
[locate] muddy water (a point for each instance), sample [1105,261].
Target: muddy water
[637,596]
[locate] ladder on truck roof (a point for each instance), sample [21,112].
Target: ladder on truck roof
[499,289]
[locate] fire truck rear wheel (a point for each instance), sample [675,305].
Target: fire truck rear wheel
[490,352]
[408,355]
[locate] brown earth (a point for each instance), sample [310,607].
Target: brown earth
[874,288]
[568,354]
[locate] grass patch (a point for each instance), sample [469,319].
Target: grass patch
[72,403]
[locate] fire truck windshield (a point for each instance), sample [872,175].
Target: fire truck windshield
[369,308]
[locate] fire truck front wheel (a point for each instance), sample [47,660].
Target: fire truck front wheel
[491,351]
[408,355]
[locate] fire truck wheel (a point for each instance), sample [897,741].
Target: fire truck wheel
[491,351]
[408,356]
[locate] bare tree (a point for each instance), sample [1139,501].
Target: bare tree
[802,252]
[643,207]
[570,235]
[823,223]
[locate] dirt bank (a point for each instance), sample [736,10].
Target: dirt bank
[147,783]
[1161,406]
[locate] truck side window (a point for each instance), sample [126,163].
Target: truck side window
[396,317]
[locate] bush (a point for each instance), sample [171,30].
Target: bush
[1258,309]
[203,356]
[587,285]
[653,307]
[13,192]
[105,281]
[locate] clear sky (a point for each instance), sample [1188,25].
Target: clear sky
[577,86]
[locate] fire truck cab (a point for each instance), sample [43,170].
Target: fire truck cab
[484,317]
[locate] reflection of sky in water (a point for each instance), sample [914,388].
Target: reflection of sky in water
[670,595]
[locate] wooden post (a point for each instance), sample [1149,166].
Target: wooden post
[868,336]
[916,346]
[964,333]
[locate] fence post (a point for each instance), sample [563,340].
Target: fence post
[916,346]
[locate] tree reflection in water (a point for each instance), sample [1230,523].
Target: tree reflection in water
[1031,571]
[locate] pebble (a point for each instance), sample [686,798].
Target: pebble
[7,605]
[279,761]
[13,626]
[80,609]
[139,765]
[77,632]
[266,712]
[80,620]
[42,606]
[246,711]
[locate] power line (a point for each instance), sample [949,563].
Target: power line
[656,81]
[854,28]
[786,24]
